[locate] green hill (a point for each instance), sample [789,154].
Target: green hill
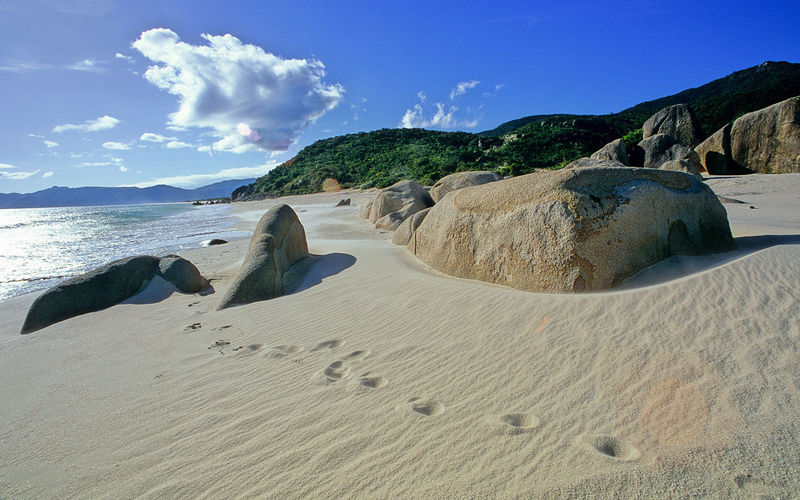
[385,156]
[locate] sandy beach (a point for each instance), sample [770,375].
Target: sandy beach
[381,378]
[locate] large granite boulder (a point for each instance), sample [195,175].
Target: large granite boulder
[571,230]
[613,151]
[461,180]
[764,141]
[658,149]
[406,230]
[278,242]
[109,285]
[677,121]
[393,205]
[685,166]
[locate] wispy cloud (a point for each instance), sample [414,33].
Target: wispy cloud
[103,123]
[4,166]
[87,64]
[129,59]
[21,67]
[120,146]
[195,180]
[50,144]
[178,145]
[461,88]
[48,174]
[250,98]
[151,137]
[17,176]
[443,118]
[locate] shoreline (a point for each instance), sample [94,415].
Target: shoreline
[382,377]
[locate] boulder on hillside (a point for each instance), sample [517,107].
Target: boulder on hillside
[571,230]
[764,141]
[677,121]
[278,242]
[107,286]
[393,205]
[614,151]
[685,166]
[658,149]
[594,162]
[406,230]
[461,180]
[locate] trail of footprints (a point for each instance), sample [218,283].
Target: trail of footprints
[514,423]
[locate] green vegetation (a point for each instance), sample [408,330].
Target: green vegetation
[383,157]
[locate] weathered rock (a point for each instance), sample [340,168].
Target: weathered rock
[677,121]
[571,230]
[393,205]
[460,180]
[406,230]
[768,140]
[614,151]
[344,203]
[658,149]
[685,166]
[594,162]
[109,285]
[181,273]
[714,152]
[278,242]
[365,209]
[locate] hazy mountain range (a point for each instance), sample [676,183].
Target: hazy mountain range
[74,197]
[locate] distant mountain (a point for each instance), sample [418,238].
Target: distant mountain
[382,157]
[85,196]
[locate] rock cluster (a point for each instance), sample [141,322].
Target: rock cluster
[109,285]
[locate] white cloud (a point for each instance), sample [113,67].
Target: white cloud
[6,165]
[151,137]
[95,164]
[499,86]
[196,180]
[226,83]
[422,97]
[103,123]
[48,174]
[124,57]
[123,168]
[443,118]
[462,87]
[85,65]
[116,146]
[17,176]
[21,67]
[178,145]
[50,144]
[204,149]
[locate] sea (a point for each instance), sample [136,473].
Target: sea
[39,247]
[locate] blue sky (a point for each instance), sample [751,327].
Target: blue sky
[110,93]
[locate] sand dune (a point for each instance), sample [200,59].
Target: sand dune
[380,377]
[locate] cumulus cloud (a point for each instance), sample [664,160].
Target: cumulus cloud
[151,137]
[195,180]
[123,168]
[48,174]
[17,176]
[462,87]
[103,123]
[178,145]
[116,146]
[443,118]
[250,98]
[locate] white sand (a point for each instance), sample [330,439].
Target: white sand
[383,378]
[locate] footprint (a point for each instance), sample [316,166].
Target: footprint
[337,371]
[429,408]
[193,326]
[328,344]
[610,446]
[282,351]
[519,421]
[223,327]
[358,355]
[373,382]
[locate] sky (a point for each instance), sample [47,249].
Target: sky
[187,93]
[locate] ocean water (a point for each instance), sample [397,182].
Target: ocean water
[40,247]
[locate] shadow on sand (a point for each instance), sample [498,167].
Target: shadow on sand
[313,270]
[681,266]
[159,289]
